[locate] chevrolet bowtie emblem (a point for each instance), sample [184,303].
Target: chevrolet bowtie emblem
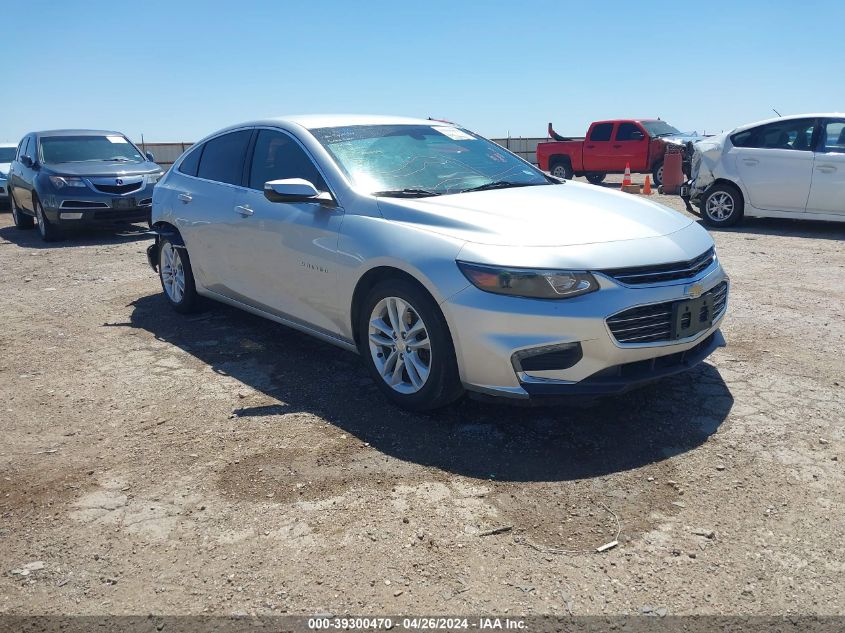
[694,291]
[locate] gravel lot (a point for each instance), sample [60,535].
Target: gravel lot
[224,464]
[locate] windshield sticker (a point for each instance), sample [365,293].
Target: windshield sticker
[117,139]
[454,133]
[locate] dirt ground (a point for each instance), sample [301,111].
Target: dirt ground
[220,463]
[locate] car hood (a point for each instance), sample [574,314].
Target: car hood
[682,139]
[553,215]
[102,168]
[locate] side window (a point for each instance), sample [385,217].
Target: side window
[629,132]
[23,148]
[278,156]
[601,132]
[222,158]
[794,134]
[834,137]
[191,163]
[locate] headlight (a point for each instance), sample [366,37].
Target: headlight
[153,178]
[528,282]
[60,182]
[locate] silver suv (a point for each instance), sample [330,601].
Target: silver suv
[445,261]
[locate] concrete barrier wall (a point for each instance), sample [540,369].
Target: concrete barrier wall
[167,153]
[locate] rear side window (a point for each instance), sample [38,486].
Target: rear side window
[191,162]
[629,132]
[794,134]
[279,156]
[834,137]
[601,132]
[23,148]
[222,158]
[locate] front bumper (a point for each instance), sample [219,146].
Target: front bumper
[489,329]
[85,207]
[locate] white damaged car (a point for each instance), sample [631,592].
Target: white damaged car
[789,167]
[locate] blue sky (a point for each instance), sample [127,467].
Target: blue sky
[180,69]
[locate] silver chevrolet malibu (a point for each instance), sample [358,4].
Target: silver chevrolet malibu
[445,261]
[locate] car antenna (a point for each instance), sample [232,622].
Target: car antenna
[776,112]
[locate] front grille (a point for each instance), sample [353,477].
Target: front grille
[119,189]
[639,275]
[653,323]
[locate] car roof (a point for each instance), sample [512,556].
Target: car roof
[312,121]
[790,117]
[77,133]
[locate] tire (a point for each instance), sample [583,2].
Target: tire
[22,220]
[424,376]
[177,277]
[561,169]
[657,173]
[596,177]
[722,206]
[48,231]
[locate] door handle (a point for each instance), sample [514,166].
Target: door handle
[244,210]
[616,146]
[590,146]
[185,197]
[750,161]
[826,169]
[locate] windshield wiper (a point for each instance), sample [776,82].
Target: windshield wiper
[119,159]
[499,184]
[406,193]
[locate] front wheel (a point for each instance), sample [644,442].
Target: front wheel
[722,206]
[657,173]
[21,219]
[177,277]
[49,232]
[406,346]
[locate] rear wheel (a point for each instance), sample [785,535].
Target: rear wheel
[49,232]
[177,277]
[21,219]
[406,346]
[596,177]
[562,170]
[722,206]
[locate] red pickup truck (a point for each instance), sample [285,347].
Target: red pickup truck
[608,147]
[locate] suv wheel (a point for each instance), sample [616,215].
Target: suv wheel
[722,206]
[21,219]
[406,346]
[49,232]
[177,277]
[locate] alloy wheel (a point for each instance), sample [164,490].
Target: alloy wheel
[720,206]
[172,273]
[399,345]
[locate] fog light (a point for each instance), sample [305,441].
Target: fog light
[547,357]
[70,216]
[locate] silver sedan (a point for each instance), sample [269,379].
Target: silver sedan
[445,261]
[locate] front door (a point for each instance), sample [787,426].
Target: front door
[775,164]
[827,191]
[630,147]
[284,254]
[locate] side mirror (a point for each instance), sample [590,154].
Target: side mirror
[151,157]
[295,190]
[27,161]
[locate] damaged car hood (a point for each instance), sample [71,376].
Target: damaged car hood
[568,214]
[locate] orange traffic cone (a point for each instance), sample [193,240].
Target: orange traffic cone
[627,179]
[647,186]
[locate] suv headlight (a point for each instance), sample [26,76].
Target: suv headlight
[60,182]
[153,178]
[529,282]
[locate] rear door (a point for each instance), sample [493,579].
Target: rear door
[775,163]
[598,150]
[285,254]
[630,147]
[827,191]
[205,207]
[21,177]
